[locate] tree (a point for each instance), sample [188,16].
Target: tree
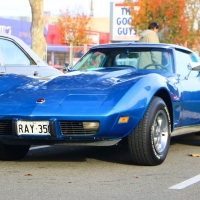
[169,14]
[192,12]
[179,20]
[38,43]
[74,28]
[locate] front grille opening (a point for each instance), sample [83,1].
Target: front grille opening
[78,128]
[6,127]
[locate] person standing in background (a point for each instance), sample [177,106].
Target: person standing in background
[150,35]
[152,58]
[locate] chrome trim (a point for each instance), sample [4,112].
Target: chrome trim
[92,143]
[160,131]
[185,130]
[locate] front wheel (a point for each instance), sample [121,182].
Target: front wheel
[149,142]
[13,152]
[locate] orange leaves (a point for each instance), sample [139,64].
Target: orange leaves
[74,28]
[168,14]
[176,18]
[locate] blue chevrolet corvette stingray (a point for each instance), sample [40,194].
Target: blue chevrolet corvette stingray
[139,92]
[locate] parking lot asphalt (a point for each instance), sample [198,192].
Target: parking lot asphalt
[63,172]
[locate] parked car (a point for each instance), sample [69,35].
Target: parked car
[139,93]
[17,57]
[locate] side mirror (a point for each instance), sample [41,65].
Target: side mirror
[67,67]
[194,66]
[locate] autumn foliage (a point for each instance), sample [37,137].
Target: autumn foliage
[74,28]
[179,20]
[169,14]
[192,11]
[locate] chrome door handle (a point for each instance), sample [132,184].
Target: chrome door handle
[35,73]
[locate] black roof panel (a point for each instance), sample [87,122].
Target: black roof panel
[139,44]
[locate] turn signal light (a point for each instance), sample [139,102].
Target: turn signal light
[123,119]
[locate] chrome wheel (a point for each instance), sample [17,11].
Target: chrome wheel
[149,142]
[160,131]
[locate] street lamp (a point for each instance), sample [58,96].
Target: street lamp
[91,9]
[70,38]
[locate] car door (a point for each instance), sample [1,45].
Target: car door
[189,83]
[16,60]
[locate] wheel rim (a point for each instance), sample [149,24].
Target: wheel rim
[160,131]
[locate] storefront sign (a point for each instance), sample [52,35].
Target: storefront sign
[5,29]
[20,29]
[120,19]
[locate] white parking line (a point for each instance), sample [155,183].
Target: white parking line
[39,147]
[186,183]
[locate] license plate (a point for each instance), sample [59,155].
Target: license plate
[33,127]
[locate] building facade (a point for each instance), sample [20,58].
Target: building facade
[57,53]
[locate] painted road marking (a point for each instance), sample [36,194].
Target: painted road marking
[186,183]
[40,147]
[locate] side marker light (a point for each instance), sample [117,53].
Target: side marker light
[123,119]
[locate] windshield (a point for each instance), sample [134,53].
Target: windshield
[138,58]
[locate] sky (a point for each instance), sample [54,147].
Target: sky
[101,8]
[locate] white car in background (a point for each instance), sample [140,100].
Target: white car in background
[17,57]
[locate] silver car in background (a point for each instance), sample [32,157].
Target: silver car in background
[17,57]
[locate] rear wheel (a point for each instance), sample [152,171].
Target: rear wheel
[149,141]
[13,152]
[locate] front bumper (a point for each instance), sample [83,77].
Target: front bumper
[78,135]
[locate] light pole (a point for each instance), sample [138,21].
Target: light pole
[70,38]
[91,9]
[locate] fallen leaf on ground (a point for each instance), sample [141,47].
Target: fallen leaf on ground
[28,175]
[194,154]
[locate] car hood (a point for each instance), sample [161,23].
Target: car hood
[93,80]
[83,89]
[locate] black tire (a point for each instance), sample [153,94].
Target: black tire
[13,152]
[149,141]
